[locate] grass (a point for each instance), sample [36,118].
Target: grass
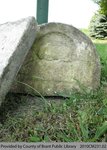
[102,51]
[85,31]
[82,117]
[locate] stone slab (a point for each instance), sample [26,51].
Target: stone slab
[16,38]
[62,60]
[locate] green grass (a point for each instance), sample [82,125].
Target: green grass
[101,46]
[82,117]
[85,31]
[102,51]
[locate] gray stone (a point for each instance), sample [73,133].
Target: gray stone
[16,38]
[61,60]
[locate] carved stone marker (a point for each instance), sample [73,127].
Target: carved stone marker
[16,38]
[61,60]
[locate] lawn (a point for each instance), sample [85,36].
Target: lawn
[82,117]
[101,46]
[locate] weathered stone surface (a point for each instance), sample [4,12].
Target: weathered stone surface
[62,59]
[16,39]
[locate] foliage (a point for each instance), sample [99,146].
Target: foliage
[98,26]
[103,6]
[96,1]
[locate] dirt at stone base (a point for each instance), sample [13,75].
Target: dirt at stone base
[20,105]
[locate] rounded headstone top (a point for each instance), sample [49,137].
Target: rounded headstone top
[62,59]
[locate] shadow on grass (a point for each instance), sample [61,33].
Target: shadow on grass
[19,104]
[10,104]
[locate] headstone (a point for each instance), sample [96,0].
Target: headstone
[16,38]
[62,59]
